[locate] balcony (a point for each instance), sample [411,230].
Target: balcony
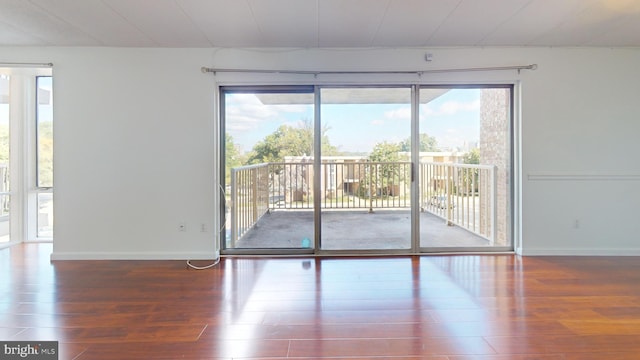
[370,201]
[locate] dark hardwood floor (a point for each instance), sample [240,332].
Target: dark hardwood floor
[429,307]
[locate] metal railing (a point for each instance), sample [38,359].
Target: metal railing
[344,185]
[463,195]
[249,197]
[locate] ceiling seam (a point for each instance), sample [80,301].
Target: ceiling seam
[382,18]
[317,23]
[42,41]
[255,21]
[129,22]
[192,21]
[437,29]
[50,14]
[497,27]
[578,23]
[570,15]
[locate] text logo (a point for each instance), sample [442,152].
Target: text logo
[31,350]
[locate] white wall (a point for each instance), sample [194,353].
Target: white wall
[580,127]
[134,147]
[135,144]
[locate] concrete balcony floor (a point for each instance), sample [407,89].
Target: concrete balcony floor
[355,230]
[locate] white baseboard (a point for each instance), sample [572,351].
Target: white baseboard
[133,256]
[581,252]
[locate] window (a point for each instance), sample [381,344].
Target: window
[4,158]
[44,155]
[26,155]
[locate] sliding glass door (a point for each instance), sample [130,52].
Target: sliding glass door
[384,169]
[365,191]
[268,182]
[464,168]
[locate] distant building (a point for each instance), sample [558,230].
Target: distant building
[344,175]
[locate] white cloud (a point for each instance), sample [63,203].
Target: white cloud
[451,108]
[456,137]
[403,113]
[246,112]
[377,122]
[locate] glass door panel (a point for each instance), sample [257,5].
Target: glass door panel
[268,182]
[465,168]
[4,158]
[365,168]
[44,155]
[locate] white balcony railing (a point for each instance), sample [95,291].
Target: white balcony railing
[463,195]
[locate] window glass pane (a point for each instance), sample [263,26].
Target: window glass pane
[44,121]
[269,169]
[365,185]
[45,215]
[4,158]
[465,167]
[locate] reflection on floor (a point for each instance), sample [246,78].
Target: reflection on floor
[5,236]
[463,307]
[346,230]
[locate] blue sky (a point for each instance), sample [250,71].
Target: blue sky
[453,118]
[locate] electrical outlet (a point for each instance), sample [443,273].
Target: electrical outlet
[203,227]
[182,227]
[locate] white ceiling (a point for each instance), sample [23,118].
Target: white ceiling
[319,23]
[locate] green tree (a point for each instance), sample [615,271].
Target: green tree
[289,141]
[472,157]
[385,170]
[470,176]
[427,143]
[45,153]
[233,157]
[386,152]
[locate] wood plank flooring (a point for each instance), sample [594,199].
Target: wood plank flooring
[430,307]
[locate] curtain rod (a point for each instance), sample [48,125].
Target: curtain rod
[416,72]
[25,64]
